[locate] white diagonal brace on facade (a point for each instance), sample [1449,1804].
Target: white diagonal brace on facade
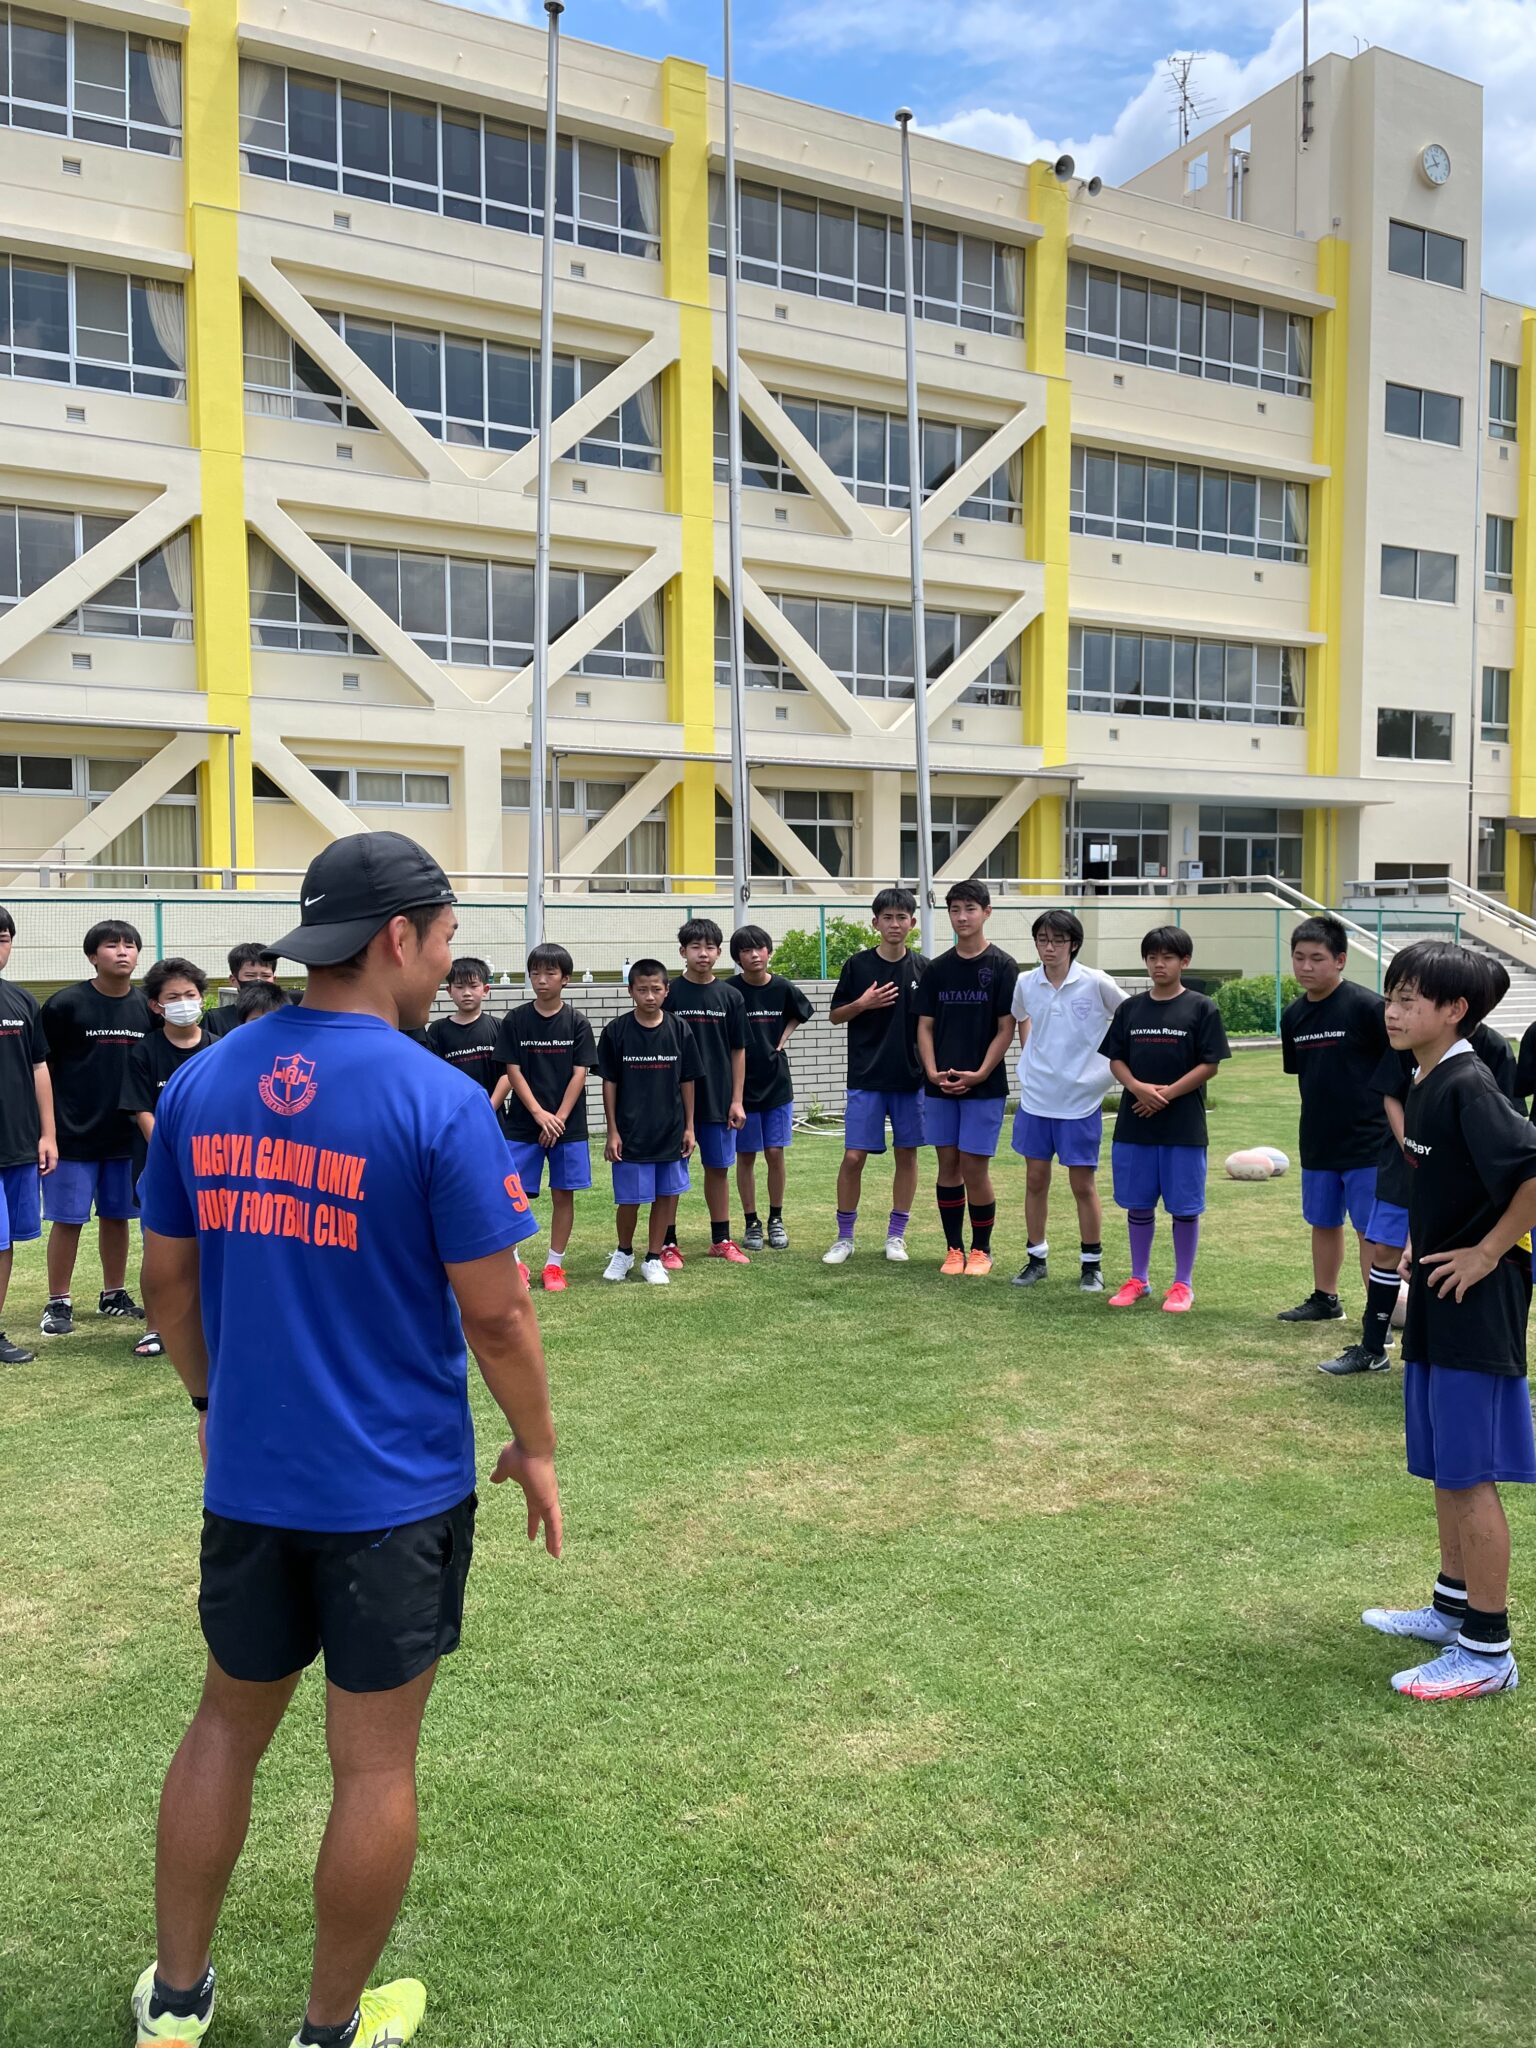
[295,780]
[594,626]
[985,648]
[614,827]
[128,803]
[79,581]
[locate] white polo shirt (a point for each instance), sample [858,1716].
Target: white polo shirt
[1061,1070]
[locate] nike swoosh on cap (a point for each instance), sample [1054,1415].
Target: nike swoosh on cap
[310,901]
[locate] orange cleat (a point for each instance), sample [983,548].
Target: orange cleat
[553,1279]
[1127,1296]
[1179,1299]
[732,1254]
[954,1262]
[978,1265]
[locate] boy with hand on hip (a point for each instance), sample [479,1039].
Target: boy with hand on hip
[964,1027]
[873,998]
[649,1064]
[546,1050]
[716,1015]
[1466,1405]
[1063,1008]
[1162,1048]
[775,1010]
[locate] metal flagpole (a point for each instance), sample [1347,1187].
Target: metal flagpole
[741,824]
[915,527]
[538,736]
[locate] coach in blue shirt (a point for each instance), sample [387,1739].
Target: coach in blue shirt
[327,1218]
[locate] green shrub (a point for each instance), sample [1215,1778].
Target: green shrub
[1248,1007]
[798,954]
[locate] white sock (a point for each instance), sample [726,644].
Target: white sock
[554,1258]
[1038,1251]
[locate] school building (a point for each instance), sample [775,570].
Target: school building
[1227,514]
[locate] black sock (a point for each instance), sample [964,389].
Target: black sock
[1381,1295]
[331,2037]
[952,1214]
[1450,1597]
[1486,1634]
[749,1217]
[628,1249]
[776,1214]
[671,1236]
[182,2005]
[718,1232]
[1092,1254]
[983,1216]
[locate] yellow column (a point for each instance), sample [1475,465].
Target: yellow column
[1047,508]
[1519,861]
[216,405]
[688,401]
[1325,557]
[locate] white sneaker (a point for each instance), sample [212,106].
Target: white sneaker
[654,1273]
[1427,1623]
[896,1251]
[618,1266]
[840,1253]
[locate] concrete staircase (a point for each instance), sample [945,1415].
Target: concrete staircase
[1484,925]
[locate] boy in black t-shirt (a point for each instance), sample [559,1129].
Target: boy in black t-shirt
[649,1064]
[964,1006]
[715,1013]
[249,965]
[545,1050]
[1333,1039]
[873,998]
[90,1027]
[28,1145]
[774,1011]
[1466,1405]
[467,1039]
[174,990]
[1162,1048]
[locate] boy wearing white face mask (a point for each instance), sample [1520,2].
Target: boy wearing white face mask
[175,990]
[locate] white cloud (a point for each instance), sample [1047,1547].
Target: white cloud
[507,10]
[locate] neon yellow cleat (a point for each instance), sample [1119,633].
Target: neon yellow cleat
[165,2031]
[390,2015]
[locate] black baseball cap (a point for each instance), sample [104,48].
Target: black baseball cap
[353,889]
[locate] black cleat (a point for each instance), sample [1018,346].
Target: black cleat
[119,1303]
[1092,1280]
[1030,1275]
[1317,1308]
[13,1354]
[58,1317]
[1355,1358]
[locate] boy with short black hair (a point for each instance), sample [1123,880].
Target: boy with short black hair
[1333,1038]
[649,1064]
[1466,1405]
[964,1006]
[256,999]
[774,1011]
[28,1144]
[545,1050]
[250,964]
[90,1027]
[1162,1047]
[715,1013]
[174,990]
[873,998]
[467,1039]
[1063,1008]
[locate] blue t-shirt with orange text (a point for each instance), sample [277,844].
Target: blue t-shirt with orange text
[328,1173]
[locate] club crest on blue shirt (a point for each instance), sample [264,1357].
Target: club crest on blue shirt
[290,1086]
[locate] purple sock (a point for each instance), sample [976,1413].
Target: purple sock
[897,1226]
[1142,1225]
[846,1219]
[1186,1242]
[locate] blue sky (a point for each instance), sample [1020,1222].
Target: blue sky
[1024,79]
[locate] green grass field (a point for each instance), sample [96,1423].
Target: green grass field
[929,1664]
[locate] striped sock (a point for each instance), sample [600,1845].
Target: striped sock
[1382,1290]
[1450,1597]
[1485,1635]
[952,1214]
[983,1217]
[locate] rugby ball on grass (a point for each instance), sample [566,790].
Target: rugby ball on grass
[1258,1162]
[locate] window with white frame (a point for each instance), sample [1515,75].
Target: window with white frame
[1491,855]
[1199,334]
[101,330]
[1416,415]
[388,789]
[638,863]
[38,775]
[339,136]
[1179,505]
[1160,675]
[1498,553]
[93,83]
[799,243]
[1503,400]
[152,600]
[765,865]
[1120,841]
[1426,253]
[458,609]
[1495,723]
[822,820]
[1403,735]
[157,850]
[953,820]
[868,647]
[866,450]
[1420,573]
[1241,840]
[478,394]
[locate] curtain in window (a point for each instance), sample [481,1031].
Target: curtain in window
[1011,282]
[167,305]
[165,79]
[1296,503]
[268,361]
[648,405]
[272,586]
[1301,341]
[170,841]
[177,557]
[647,173]
[644,634]
[842,841]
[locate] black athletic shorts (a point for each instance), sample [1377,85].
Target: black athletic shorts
[381,1604]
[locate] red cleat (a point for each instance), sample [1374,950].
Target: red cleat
[524,1275]
[1127,1296]
[732,1254]
[1179,1299]
[553,1279]
[671,1258]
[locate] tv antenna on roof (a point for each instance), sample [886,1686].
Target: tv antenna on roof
[1190,105]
